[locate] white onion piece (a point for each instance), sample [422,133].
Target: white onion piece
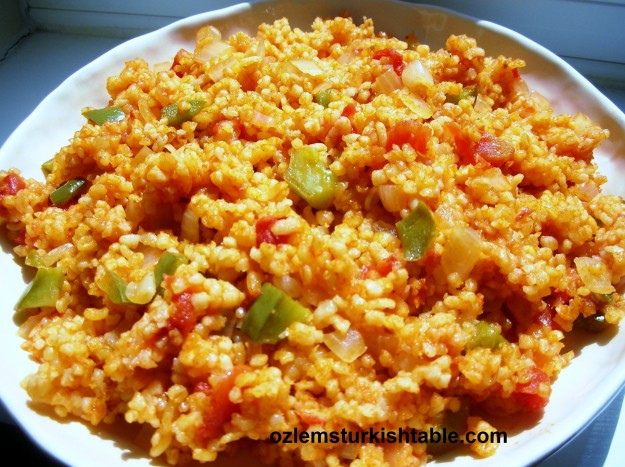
[594,274]
[588,190]
[261,50]
[388,82]
[211,50]
[56,254]
[462,252]
[262,120]
[392,197]
[416,74]
[216,72]
[142,292]
[190,225]
[207,34]
[308,67]
[417,105]
[346,57]
[347,347]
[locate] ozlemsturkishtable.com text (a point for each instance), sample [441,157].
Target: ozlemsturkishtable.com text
[411,435]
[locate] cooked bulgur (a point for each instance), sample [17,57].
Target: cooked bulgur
[326,230]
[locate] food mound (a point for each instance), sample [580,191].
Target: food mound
[327,231]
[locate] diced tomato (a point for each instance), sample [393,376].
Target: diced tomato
[219,129]
[11,185]
[523,213]
[203,386]
[175,66]
[309,418]
[184,318]
[409,131]
[394,58]
[526,394]
[221,407]
[495,151]
[349,110]
[264,233]
[516,73]
[387,266]
[465,147]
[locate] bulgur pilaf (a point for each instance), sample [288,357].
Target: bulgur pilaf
[319,230]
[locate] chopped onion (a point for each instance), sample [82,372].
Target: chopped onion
[388,82]
[462,251]
[216,72]
[393,198]
[496,180]
[142,292]
[346,57]
[261,50]
[211,50]
[308,67]
[56,254]
[347,347]
[190,225]
[416,75]
[262,120]
[588,190]
[594,274]
[417,105]
[207,34]
[481,104]
[321,87]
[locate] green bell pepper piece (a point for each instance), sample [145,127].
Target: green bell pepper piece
[107,114]
[44,290]
[271,313]
[175,117]
[114,287]
[167,264]
[309,176]
[486,335]
[67,192]
[416,231]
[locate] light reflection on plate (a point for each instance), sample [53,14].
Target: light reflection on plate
[582,389]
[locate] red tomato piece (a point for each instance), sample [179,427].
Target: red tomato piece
[387,266]
[349,111]
[495,151]
[526,394]
[11,185]
[394,58]
[184,318]
[409,131]
[264,233]
[221,407]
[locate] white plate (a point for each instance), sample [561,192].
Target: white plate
[582,389]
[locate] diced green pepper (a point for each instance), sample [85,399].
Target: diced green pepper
[416,231]
[258,314]
[309,176]
[114,287]
[167,264]
[486,335]
[175,117]
[271,314]
[33,259]
[107,114]
[593,323]
[286,312]
[325,97]
[44,290]
[47,167]
[602,297]
[67,192]
[468,92]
